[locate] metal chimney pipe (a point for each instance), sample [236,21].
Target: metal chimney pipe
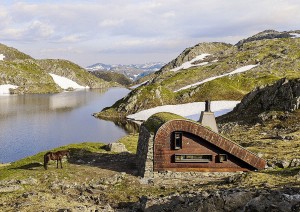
[207,106]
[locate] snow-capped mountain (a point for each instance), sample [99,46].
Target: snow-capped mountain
[99,66]
[132,71]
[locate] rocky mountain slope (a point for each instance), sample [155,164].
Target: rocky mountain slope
[132,71]
[216,71]
[283,95]
[112,77]
[32,76]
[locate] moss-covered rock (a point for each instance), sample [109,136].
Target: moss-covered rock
[155,121]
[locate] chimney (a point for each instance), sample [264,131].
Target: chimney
[207,118]
[207,106]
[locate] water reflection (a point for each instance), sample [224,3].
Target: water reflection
[67,101]
[128,126]
[33,123]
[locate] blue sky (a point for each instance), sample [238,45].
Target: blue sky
[132,31]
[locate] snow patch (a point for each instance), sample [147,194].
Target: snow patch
[189,64]
[4,89]
[66,83]
[295,35]
[2,56]
[238,70]
[138,85]
[189,110]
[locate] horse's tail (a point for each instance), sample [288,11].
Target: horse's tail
[46,159]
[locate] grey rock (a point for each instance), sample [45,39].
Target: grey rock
[29,181]
[282,164]
[294,162]
[10,188]
[284,95]
[267,34]
[116,147]
[274,201]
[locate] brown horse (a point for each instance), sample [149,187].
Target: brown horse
[55,156]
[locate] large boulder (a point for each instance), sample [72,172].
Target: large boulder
[116,147]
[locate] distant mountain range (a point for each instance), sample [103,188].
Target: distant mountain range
[132,71]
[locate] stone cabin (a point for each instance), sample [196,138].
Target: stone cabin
[168,142]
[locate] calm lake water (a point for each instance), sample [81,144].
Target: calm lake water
[33,123]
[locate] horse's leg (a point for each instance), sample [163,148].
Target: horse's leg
[57,163]
[60,164]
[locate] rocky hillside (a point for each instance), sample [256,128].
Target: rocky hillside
[112,77]
[32,76]
[216,71]
[283,95]
[11,54]
[72,71]
[267,34]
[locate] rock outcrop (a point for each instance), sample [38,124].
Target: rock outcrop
[284,95]
[267,34]
[189,53]
[224,200]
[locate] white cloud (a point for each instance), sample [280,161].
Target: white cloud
[148,27]
[111,22]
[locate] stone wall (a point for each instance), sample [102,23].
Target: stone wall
[145,153]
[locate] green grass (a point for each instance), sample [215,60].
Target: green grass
[155,121]
[19,168]
[130,142]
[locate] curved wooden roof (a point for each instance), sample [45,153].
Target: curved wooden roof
[165,128]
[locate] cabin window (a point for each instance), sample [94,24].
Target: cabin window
[222,158]
[193,158]
[177,141]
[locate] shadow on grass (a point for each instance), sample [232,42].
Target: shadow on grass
[120,162]
[287,172]
[29,166]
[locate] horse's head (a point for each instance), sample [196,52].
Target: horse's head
[68,154]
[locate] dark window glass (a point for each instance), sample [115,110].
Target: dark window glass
[189,158]
[177,140]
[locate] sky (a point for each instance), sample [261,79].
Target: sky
[135,31]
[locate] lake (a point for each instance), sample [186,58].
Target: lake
[33,123]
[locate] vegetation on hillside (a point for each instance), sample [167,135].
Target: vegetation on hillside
[28,75]
[12,53]
[74,72]
[112,77]
[32,76]
[275,59]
